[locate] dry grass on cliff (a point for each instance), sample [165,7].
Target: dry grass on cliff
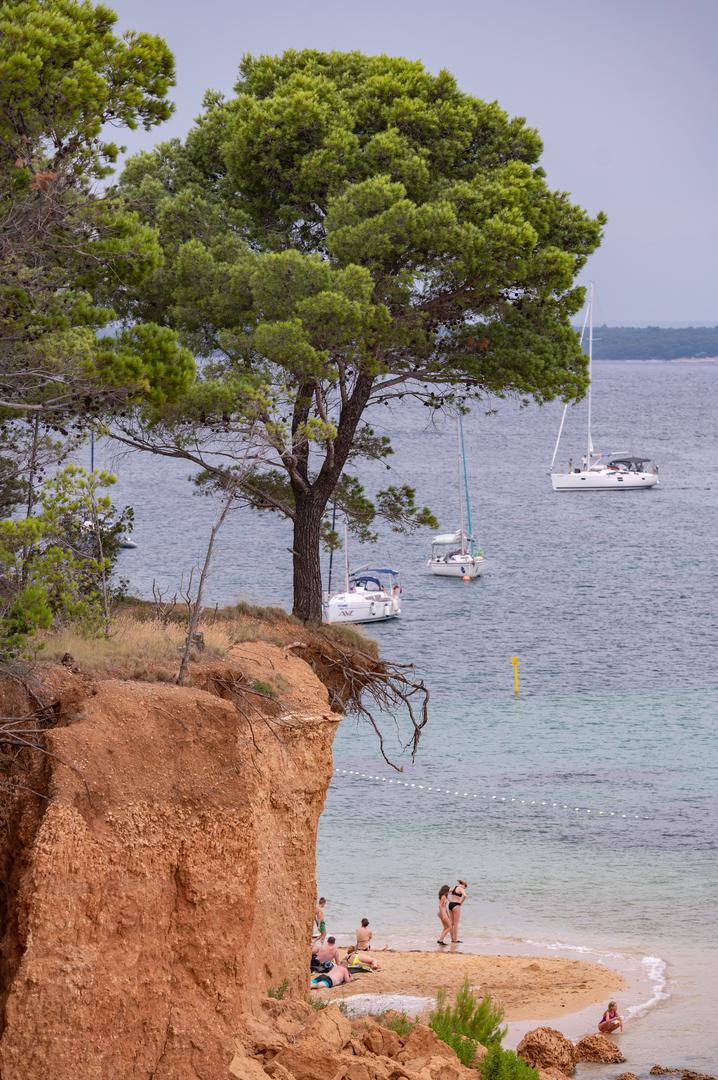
[248,622]
[134,649]
[142,649]
[147,638]
[144,646]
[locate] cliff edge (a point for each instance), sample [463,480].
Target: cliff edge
[159,867]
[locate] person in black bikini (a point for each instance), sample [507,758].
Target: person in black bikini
[456,899]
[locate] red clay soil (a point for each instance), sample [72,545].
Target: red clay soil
[162,878]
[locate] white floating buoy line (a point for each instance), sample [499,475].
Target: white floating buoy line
[436,789]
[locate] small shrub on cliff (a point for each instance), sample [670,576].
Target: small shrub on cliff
[278,992]
[398,1022]
[505,1065]
[467,1022]
[263,688]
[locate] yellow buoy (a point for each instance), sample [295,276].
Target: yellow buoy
[515,662]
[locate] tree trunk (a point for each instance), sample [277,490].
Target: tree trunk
[307,564]
[310,501]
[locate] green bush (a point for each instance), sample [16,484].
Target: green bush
[467,1022]
[56,565]
[505,1065]
[21,617]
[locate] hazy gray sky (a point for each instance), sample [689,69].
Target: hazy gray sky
[623,92]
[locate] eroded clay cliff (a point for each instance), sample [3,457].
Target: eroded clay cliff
[159,869]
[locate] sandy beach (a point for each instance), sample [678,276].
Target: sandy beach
[528,987]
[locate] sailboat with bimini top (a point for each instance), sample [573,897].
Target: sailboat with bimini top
[370,594]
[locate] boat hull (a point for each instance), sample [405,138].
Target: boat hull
[602,481]
[359,609]
[470,567]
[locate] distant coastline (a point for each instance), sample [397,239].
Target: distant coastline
[687,343]
[657,359]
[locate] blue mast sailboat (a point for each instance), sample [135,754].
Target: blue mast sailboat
[456,554]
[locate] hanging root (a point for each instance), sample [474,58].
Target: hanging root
[22,736]
[363,685]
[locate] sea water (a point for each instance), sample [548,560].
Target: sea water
[583,812]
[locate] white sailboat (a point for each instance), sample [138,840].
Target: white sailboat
[371,594]
[619,471]
[455,554]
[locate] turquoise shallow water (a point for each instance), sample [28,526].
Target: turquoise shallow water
[610,603]
[555,792]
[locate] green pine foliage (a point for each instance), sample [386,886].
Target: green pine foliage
[467,1023]
[20,619]
[344,231]
[66,80]
[502,1064]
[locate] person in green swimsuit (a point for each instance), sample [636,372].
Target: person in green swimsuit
[319,916]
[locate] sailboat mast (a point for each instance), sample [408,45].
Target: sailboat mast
[589,454]
[565,408]
[469,526]
[346,556]
[459,471]
[331,552]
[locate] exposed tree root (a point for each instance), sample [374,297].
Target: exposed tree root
[363,685]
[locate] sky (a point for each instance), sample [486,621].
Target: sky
[624,95]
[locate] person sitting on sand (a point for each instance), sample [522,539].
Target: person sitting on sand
[327,950]
[444,917]
[456,898]
[319,916]
[363,935]
[610,1021]
[337,976]
[356,959]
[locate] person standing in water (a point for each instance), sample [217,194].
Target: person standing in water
[444,917]
[456,899]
